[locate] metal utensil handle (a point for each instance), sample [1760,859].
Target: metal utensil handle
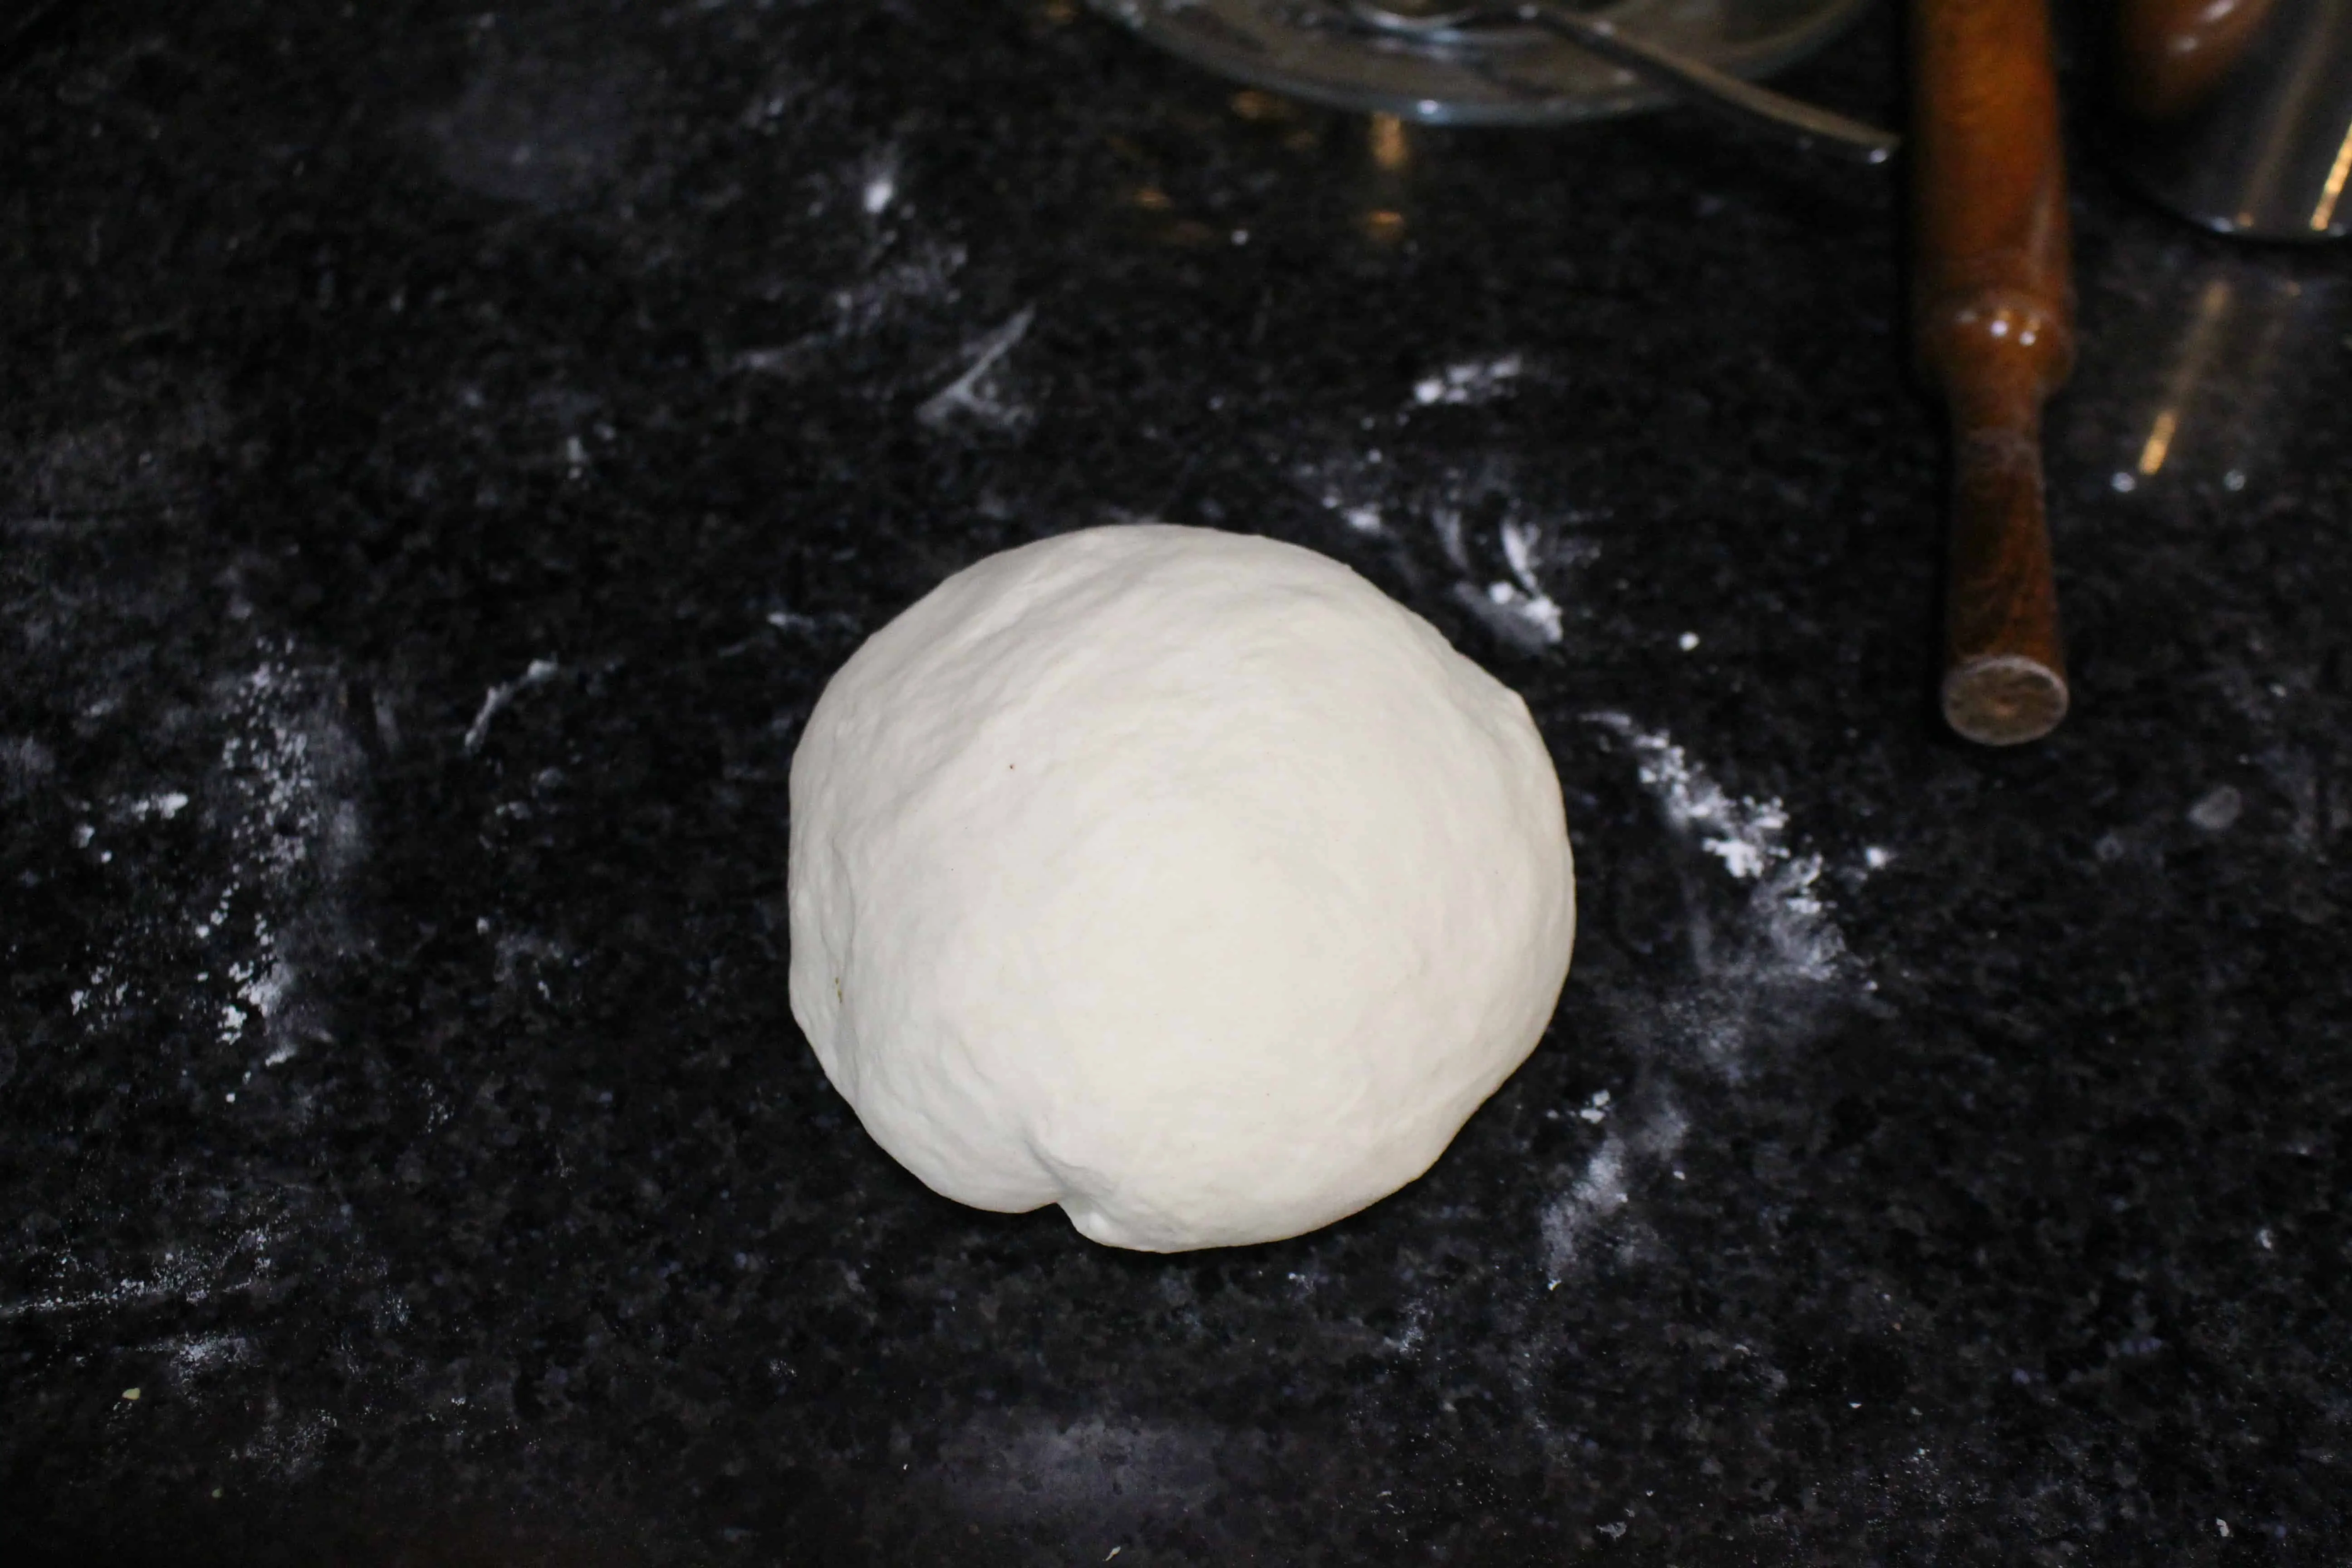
[1708,87]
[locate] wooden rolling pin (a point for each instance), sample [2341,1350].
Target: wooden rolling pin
[1992,308]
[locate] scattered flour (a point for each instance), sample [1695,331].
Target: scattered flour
[1354,488]
[1779,963]
[288,1447]
[1750,837]
[1372,500]
[2217,810]
[1030,1465]
[1517,608]
[1472,381]
[281,797]
[1414,1333]
[287,775]
[975,395]
[103,997]
[190,1274]
[540,671]
[167,806]
[1598,1193]
[832,621]
[926,272]
[880,187]
[194,1356]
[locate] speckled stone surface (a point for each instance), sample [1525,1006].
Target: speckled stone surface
[444,453]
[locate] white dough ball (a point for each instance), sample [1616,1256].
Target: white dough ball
[1179,877]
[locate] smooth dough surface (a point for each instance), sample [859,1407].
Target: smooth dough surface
[1179,877]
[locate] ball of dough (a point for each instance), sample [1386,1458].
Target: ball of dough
[1179,877]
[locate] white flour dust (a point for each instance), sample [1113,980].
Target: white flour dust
[1656,1129]
[288,1447]
[166,806]
[868,273]
[199,1355]
[1517,608]
[189,1274]
[1030,1465]
[1503,577]
[286,782]
[925,273]
[1472,381]
[240,1253]
[1598,1193]
[280,802]
[1354,488]
[928,273]
[1775,968]
[833,623]
[977,395]
[102,998]
[1749,836]
[880,187]
[540,671]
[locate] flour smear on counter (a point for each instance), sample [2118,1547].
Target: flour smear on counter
[1517,608]
[288,776]
[1503,576]
[1749,836]
[1788,950]
[1469,381]
[277,823]
[188,1274]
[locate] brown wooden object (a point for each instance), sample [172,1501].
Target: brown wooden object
[2172,54]
[1992,319]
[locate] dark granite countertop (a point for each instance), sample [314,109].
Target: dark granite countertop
[446,450]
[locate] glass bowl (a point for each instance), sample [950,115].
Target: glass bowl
[1489,76]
